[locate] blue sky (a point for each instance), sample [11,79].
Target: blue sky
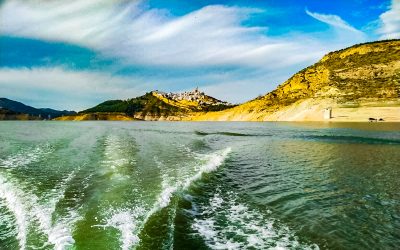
[75,54]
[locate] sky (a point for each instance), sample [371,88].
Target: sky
[75,54]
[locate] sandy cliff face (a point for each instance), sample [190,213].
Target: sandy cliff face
[359,82]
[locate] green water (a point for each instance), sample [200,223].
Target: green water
[159,185]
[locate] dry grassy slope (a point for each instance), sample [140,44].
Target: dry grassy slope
[365,75]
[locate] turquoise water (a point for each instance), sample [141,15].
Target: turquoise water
[180,185]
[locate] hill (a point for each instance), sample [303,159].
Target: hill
[352,84]
[6,114]
[11,108]
[154,105]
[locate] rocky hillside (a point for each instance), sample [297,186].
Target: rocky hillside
[356,83]
[154,105]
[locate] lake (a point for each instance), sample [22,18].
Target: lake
[182,185]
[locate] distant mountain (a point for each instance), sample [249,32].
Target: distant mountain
[6,114]
[154,105]
[359,83]
[9,106]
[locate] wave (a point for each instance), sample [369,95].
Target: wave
[113,149]
[118,154]
[213,161]
[352,139]
[10,194]
[59,233]
[171,227]
[222,133]
[130,222]
[126,221]
[225,223]
[27,209]
[26,157]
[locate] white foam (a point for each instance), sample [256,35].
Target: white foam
[115,156]
[59,233]
[26,157]
[27,208]
[127,222]
[134,220]
[212,162]
[11,195]
[255,230]
[171,229]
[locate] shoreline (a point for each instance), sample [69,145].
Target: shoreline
[213,121]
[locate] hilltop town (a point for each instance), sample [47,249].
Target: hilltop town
[195,95]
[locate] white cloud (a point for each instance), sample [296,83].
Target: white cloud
[390,22]
[64,89]
[333,20]
[211,36]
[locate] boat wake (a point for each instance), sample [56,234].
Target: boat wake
[10,195]
[28,210]
[27,156]
[130,222]
[118,153]
[211,163]
[125,221]
[225,223]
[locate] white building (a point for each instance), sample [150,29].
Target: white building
[327,113]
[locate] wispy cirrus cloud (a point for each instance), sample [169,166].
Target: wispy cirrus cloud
[390,22]
[333,20]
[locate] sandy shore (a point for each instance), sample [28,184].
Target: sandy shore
[313,110]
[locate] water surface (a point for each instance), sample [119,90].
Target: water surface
[181,185]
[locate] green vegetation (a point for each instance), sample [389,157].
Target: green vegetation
[151,105]
[147,104]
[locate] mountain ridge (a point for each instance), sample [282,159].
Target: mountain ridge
[26,112]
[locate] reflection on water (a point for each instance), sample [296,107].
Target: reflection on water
[374,126]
